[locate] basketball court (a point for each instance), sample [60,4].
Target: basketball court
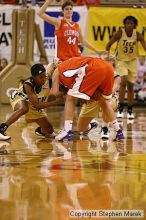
[46,179]
[43,179]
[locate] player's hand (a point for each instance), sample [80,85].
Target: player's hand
[51,98]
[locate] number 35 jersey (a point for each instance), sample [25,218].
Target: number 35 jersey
[127,46]
[66,40]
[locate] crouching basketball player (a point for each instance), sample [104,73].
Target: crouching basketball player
[30,100]
[90,110]
[86,78]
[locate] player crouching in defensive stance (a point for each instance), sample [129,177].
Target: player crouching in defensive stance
[86,78]
[30,100]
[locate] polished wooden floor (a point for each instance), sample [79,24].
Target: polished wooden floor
[42,179]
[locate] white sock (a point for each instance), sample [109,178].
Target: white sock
[68,125]
[89,126]
[115,125]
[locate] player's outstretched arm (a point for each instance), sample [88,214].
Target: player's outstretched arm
[32,97]
[52,20]
[114,38]
[86,44]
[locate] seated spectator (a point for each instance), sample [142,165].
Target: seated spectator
[141,69]
[141,95]
[4,63]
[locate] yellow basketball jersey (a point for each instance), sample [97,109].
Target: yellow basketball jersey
[41,92]
[127,47]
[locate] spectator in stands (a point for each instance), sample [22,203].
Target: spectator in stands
[4,63]
[126,61]
[87,2]
[141,95]
[141,69]
[10,1]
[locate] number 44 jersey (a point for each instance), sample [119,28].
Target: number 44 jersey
[66,40]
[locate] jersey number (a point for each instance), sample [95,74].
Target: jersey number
[128,50]
[71,41]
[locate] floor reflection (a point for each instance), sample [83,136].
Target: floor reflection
[45,179]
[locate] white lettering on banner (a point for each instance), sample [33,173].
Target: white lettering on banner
[21,37]
[49,43]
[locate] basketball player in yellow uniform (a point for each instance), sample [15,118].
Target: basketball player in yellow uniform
[30,99]
[126,63]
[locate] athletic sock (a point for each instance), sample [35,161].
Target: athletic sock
[68,125]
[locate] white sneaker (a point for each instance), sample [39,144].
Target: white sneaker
[130,115]
[104,133]
[120,114]
[4,137]
[64,136]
